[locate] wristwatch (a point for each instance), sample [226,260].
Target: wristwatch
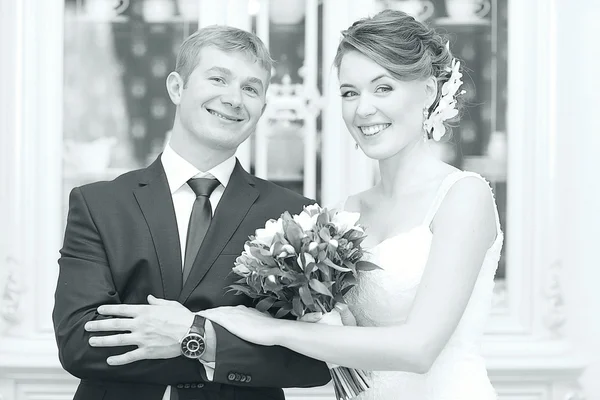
[193,343]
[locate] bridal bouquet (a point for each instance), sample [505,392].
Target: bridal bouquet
[303,264]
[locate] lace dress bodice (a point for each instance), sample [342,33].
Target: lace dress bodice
[384,297]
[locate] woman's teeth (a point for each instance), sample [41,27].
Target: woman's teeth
[373,129]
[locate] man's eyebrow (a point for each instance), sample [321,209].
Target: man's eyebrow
[255,80]
[227,72]
[222,70]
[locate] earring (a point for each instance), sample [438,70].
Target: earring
[356,146]
[425,118]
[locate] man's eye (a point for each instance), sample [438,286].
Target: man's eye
[217,79]
[251,90]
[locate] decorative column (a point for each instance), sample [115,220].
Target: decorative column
[346,169]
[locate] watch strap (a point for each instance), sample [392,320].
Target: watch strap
[198,325]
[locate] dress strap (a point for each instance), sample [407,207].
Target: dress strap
[445,186]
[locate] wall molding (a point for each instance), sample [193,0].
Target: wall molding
[10,292]
[11,103]
[555,316]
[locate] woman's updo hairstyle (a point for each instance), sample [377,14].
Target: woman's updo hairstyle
[408,49]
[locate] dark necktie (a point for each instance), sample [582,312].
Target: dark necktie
[199,220]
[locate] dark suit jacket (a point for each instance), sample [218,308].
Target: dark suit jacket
[121,244]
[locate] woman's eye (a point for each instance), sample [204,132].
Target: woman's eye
[349,93]
[217,79]
[383,89]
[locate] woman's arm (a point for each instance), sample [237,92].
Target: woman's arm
[464,228]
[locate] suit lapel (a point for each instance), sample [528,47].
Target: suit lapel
[237,199]
[155,201]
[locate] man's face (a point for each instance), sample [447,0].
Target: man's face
[223,99]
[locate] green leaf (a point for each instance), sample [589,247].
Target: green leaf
[299,280]
[280,304]
[273,287]
[280,237]
[321,255]
[265,304]
[366,266]
[346,290]
[338,298]
[310,268]
[270,271]
[293,232]
[319,287]
[358,242]
[258,254]
[350,266]
[323,218]
[243,290]
[282,312]
[277,248]
[331,264]
[324,270]
[306,296]
[348,279]
[324,233]
[270,286]
[297,308]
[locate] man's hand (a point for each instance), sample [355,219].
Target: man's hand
[155,329]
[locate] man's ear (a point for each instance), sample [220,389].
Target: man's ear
[175,87]
[431,91]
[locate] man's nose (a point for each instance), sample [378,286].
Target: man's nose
[232,97]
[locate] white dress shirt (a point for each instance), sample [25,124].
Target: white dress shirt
[178,172]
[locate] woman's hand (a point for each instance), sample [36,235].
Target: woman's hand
[246,323]
[340,315]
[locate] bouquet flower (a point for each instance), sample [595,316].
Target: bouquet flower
[303,264]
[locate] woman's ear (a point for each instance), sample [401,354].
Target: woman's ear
[431,91]
[175,87]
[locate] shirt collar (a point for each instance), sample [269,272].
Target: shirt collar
[178,170]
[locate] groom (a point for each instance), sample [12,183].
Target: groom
[146,251]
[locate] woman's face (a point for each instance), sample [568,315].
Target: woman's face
[384,115]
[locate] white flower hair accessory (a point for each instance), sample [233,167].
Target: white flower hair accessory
[446,108]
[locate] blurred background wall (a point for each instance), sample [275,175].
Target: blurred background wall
[82,98]
[578,139]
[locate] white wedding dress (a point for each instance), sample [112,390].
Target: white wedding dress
[384,297]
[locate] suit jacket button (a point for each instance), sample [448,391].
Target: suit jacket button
[243,379]
[180,386]
[238,377]
[186,386]
[231,376]
[193,386]
[248,378]
[200,385]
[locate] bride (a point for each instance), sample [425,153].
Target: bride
[433,229]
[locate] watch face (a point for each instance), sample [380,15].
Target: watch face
[192,346]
